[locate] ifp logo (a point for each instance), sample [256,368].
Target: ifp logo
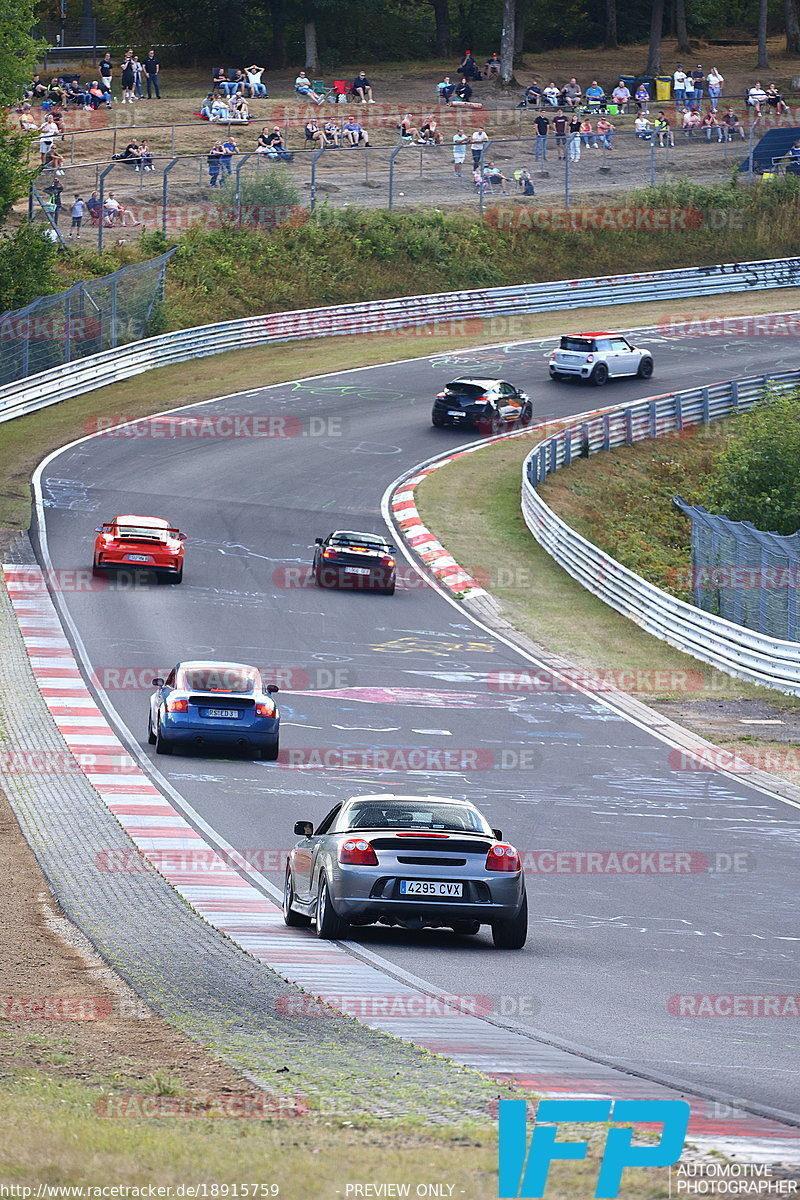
[523,1170]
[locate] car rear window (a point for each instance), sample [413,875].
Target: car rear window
[147,533]
[218,679]
[580,345]
[372,543]
[455,817]
[465,389]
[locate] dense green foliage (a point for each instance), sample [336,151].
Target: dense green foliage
[757,478]
[27,267]
[19,52]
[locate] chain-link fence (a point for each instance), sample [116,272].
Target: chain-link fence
[743,574]
[88,318]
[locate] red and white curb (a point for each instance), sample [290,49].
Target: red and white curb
[167,843]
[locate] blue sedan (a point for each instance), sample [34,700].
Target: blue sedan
[222,703]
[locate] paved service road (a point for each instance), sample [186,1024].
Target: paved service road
[605,953]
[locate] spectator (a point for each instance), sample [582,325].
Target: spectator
[117,213]
[302,85]
[756,97]
[663,129]
[463,93]
[621,95]
[47,135]
[207,107]
[732,124]
[56,162]
[587,134]
[459,150]
[131,154]
[446,89]
[354,133]
[542,124]
[560,129]
[524,181]
[314,135]
[57,117]
[36,89]
[229,148]
[605,132]
[574,144]
[127,81]
[219,77]
[77,212]
[240,109]
[532,96]
[572,94]
[494,175]
[642,98]
[55,92]
[93,207]
[151,71]
[479,139]
[27,122]
[220,110]
[77,95]
[595,96]
[492,65]
[691,122]
[138,71]
[775,100]
[710,124]
[254,85]
[698,83]
[551,95]
[273,145]
[429,133]
[146,156]
[407,129]
[679,78]
[642,128]
[213,158]
[106,71]
[715,82]
[98,95]
[54,192]
[332,134]
[362,88]
[468,67]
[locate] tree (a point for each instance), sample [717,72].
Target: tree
[507,42]
[763,13]
[520,18]
[681,30]
[310,35]
[656,31]
[19,51]
[792,27]
[441,16]
[611,40]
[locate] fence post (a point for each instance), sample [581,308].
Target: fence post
[706,410]
[165,194]
[314,158]
[750,153]
[392,157]
[678,411]
[114,338]
[172,141]
[101,221]
[67,323]
[653,160]
[30,201]
[629,426]
[735,395]
[653,419]
[242,160]
[567,173]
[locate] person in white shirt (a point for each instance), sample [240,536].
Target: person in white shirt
[551,94]
[642,127]
[459,150]
[253,75]
[679,87]
[479,139]
[715,82]
[756,97]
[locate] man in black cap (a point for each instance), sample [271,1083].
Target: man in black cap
[698,83]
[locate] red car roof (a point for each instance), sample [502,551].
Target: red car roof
[151,522]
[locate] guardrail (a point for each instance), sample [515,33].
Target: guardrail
[729,647]
[98,370]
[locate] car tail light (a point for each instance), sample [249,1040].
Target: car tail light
[329,554]
[552,356]
[265,710]
[178,705]
[358,853]
[387,560]
[502,857]
[441,395]
[590,358]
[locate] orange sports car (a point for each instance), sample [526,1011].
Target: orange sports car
[132,542]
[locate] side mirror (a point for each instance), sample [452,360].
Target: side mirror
[498,833]
[303,828]
[272,688]
[157,682]
[99,529]
[393,549]
[181,537]
[317,541]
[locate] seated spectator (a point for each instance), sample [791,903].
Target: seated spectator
[494,175]
[428,134]
[354,133]
[621,95]
[36,89]
[595,96]
[117,212]
[56,162]
[571,94]
[27,122]
[233,84]
[642,98]
[710,124]
[468,67]
[522,178]
[302,85]
[332,134]
[407,129]
[56,91]
[446,89]
[551,95]
[663,129]
[314,135]
[220,109]
[207,106]
[219,76]
[463,93]
[254,85]
[98,95]
[643,128]
[146,156]
[492,65]
[756,96]
[532,97]
[77,95]
[775,100]
[240,109]
[93,209]
[131,154]
[271,143]
[362,88]
[691,122]
[731,124]
[605,131]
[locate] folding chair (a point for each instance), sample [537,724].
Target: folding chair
[341,90]
[318,86]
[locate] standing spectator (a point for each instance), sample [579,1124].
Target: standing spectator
[106,70]
[229,148]
[138,71]
[621,95]
[213,159]
[459,150]
[479,139]
[362,88]
[492,65]
[587,135]
[540,147]
[679,87]
[698,83]
[254,85]
[575,124]
[151,69]
[468,67]
[463,92]
[48,133]
[710,123]
[605,131]
[642,98]
[595,96]
[732,124]
[560,128]
[127,81]
[76,212]
[354,132]
[775,100]
[663,129]
[302,85]
[715,82]
[572,93]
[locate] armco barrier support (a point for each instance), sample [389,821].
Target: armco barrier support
[729,647]
[61,383]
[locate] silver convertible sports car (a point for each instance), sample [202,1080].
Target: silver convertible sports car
[412,861]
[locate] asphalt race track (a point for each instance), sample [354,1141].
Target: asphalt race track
[605,953]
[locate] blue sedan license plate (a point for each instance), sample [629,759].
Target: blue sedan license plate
[221,712]
[426,887]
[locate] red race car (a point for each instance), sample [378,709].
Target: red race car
[148,543]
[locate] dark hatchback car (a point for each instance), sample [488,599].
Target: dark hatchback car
[355,561]
[489,405]
[412,861]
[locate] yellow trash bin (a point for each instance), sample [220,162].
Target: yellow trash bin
[663,88]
